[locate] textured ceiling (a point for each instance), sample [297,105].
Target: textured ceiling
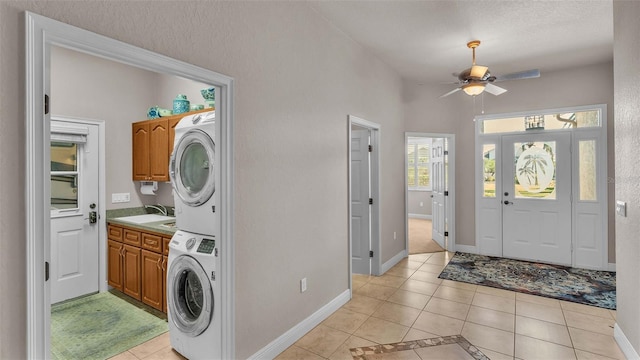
[425,41]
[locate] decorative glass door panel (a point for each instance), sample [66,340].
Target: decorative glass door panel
[536,197]
[535,170]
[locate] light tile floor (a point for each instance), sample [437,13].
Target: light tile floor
[409,302]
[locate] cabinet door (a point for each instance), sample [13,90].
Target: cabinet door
[152,279]
[173,122]
[158,150]
[114,258]
[164,283]
[131,268]
[140,150]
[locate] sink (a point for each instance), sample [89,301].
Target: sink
[146,218]
[169,225]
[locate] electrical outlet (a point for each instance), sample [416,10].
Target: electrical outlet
[303,285]
[120,198]
[421,204]
[394,235]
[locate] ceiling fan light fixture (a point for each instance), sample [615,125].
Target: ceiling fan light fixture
[473,89]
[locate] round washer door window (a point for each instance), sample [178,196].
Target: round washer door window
[192,168]
[191,299]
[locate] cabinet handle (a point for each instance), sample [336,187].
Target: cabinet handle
[164,264]
[158,264]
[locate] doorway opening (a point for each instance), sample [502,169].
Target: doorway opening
[429,195]
[41,35]
[364,197]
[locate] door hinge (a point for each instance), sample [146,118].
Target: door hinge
[446,233]
[370,148]
[370,253]
[46,270]
[370,201]
[446,152]
[446,193]
[46,104]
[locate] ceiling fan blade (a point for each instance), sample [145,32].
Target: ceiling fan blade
[528,74]
[450,92]
[494,90]
[478,71]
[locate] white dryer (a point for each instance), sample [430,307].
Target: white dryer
[192,172]
[195,328]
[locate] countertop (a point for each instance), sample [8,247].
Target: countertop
[154,227]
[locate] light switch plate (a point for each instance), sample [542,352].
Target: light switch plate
[621,208]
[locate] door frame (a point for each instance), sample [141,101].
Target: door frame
[102,212]
[578,207]
[450,202]
[374,131]
[41,33]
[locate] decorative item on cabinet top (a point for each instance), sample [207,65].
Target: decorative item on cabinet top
[209,95]
[180,104]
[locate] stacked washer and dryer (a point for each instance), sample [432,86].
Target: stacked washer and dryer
[194,326]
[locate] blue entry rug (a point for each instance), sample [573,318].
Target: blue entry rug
[589,287]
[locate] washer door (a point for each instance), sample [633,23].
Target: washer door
[190,297]
[192,168]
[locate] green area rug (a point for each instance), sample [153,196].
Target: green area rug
[100,326]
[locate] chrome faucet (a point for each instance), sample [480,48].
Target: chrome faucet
[161,209]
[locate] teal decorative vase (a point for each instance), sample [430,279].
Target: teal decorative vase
[209,95]
[180,104]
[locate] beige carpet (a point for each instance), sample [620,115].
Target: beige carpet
[420,237]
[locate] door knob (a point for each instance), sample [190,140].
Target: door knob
[507,202]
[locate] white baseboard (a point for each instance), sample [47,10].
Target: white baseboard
[626,347]
[420,216]
[612,267]
[393,261]
[294,334]
[471,249]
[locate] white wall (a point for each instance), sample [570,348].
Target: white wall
[627,110]
[425,112]
[415,198]
[297,79]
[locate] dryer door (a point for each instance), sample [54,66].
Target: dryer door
[190,296]
[192,168]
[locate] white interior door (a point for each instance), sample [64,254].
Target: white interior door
[360,207]
[74,268]
[536,197]
[438,187]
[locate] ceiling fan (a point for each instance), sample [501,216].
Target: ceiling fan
[476,79]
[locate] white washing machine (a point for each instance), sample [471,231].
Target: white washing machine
[195,328]
[192,172]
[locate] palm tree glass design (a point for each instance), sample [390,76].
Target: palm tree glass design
[535,170]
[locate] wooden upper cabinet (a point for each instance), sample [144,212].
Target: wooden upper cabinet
[153,142]
[158,145]
[140,151]
[150,144]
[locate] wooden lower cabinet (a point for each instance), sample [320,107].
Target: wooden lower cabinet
[152,279]
[131,266]
[138,271]
[114,256]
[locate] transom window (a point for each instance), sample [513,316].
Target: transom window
[568,120]
[419,163]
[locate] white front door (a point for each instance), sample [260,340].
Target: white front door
[74,268]
[438,186]
[360,207]
[536,198]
